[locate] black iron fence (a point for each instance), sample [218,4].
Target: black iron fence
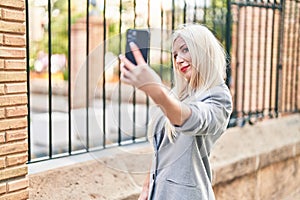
[76,103]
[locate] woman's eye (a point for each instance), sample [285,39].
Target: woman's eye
[185,50]
[175,56]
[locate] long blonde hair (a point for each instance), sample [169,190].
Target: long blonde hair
[208,65]
[208,60]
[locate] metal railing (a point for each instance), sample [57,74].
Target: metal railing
[102,34]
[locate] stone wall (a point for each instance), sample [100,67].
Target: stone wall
[13,101]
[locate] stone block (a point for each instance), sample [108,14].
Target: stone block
[13,15]
[12,76]
[13,123]
[10,100]
[2,188]
[276,155]
[19,195]
[17,185]
[12,40]
[279,179]
[13,172]
[2,137]
[16,159]
[13,135]
[233,170]
[15,64]
[244,189]
[2,113]
[2,162]
[16,111]
[19,4]
[13,27]
[15,147]
[13,88]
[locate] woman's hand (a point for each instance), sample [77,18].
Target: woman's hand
[145,191]
[141,75]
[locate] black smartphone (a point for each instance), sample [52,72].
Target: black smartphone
[141,37]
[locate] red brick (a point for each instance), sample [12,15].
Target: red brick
[19,4]
[15,64]
[12,52]
[6,124]
[2,162]
[13,15]
[19,195]
[16,147]
[12,27]
[14,99]
[13,172]
[6,76]
[2,113]
[11,40]
[16,135]
[16,159]
[2,137]
[17,185]
[2,188]
[14,88]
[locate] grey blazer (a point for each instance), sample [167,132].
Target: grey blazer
[181,170]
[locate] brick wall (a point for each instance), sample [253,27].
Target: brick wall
[13,101]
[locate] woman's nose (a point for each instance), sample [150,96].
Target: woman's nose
[179,59]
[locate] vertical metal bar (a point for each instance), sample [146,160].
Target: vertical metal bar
[228,42]
[147,98]
[205,11]
[87,75]
[161,36]
[298,63]
[69,79]
[271,64]
[258,58]
[184,12]
[265,60]
[223,29]
[236,112]
[251,63]
[134,90]
[49,78]
[292,91]
[288,69]
[119,75]
[172,28]
[214,14]
[244,61]
[195,12]
[279,57]
[104,78]
[28,79]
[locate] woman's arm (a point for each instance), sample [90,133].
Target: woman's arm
[145,79]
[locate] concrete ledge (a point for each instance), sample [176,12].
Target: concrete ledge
[253,162]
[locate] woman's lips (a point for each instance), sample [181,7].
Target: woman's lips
[184,69]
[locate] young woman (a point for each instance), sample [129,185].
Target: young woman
[189,119]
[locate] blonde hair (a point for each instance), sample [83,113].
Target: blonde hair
[208,66]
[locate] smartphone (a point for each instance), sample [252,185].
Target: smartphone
[141,37]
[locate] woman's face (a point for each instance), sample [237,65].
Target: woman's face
[182,58]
